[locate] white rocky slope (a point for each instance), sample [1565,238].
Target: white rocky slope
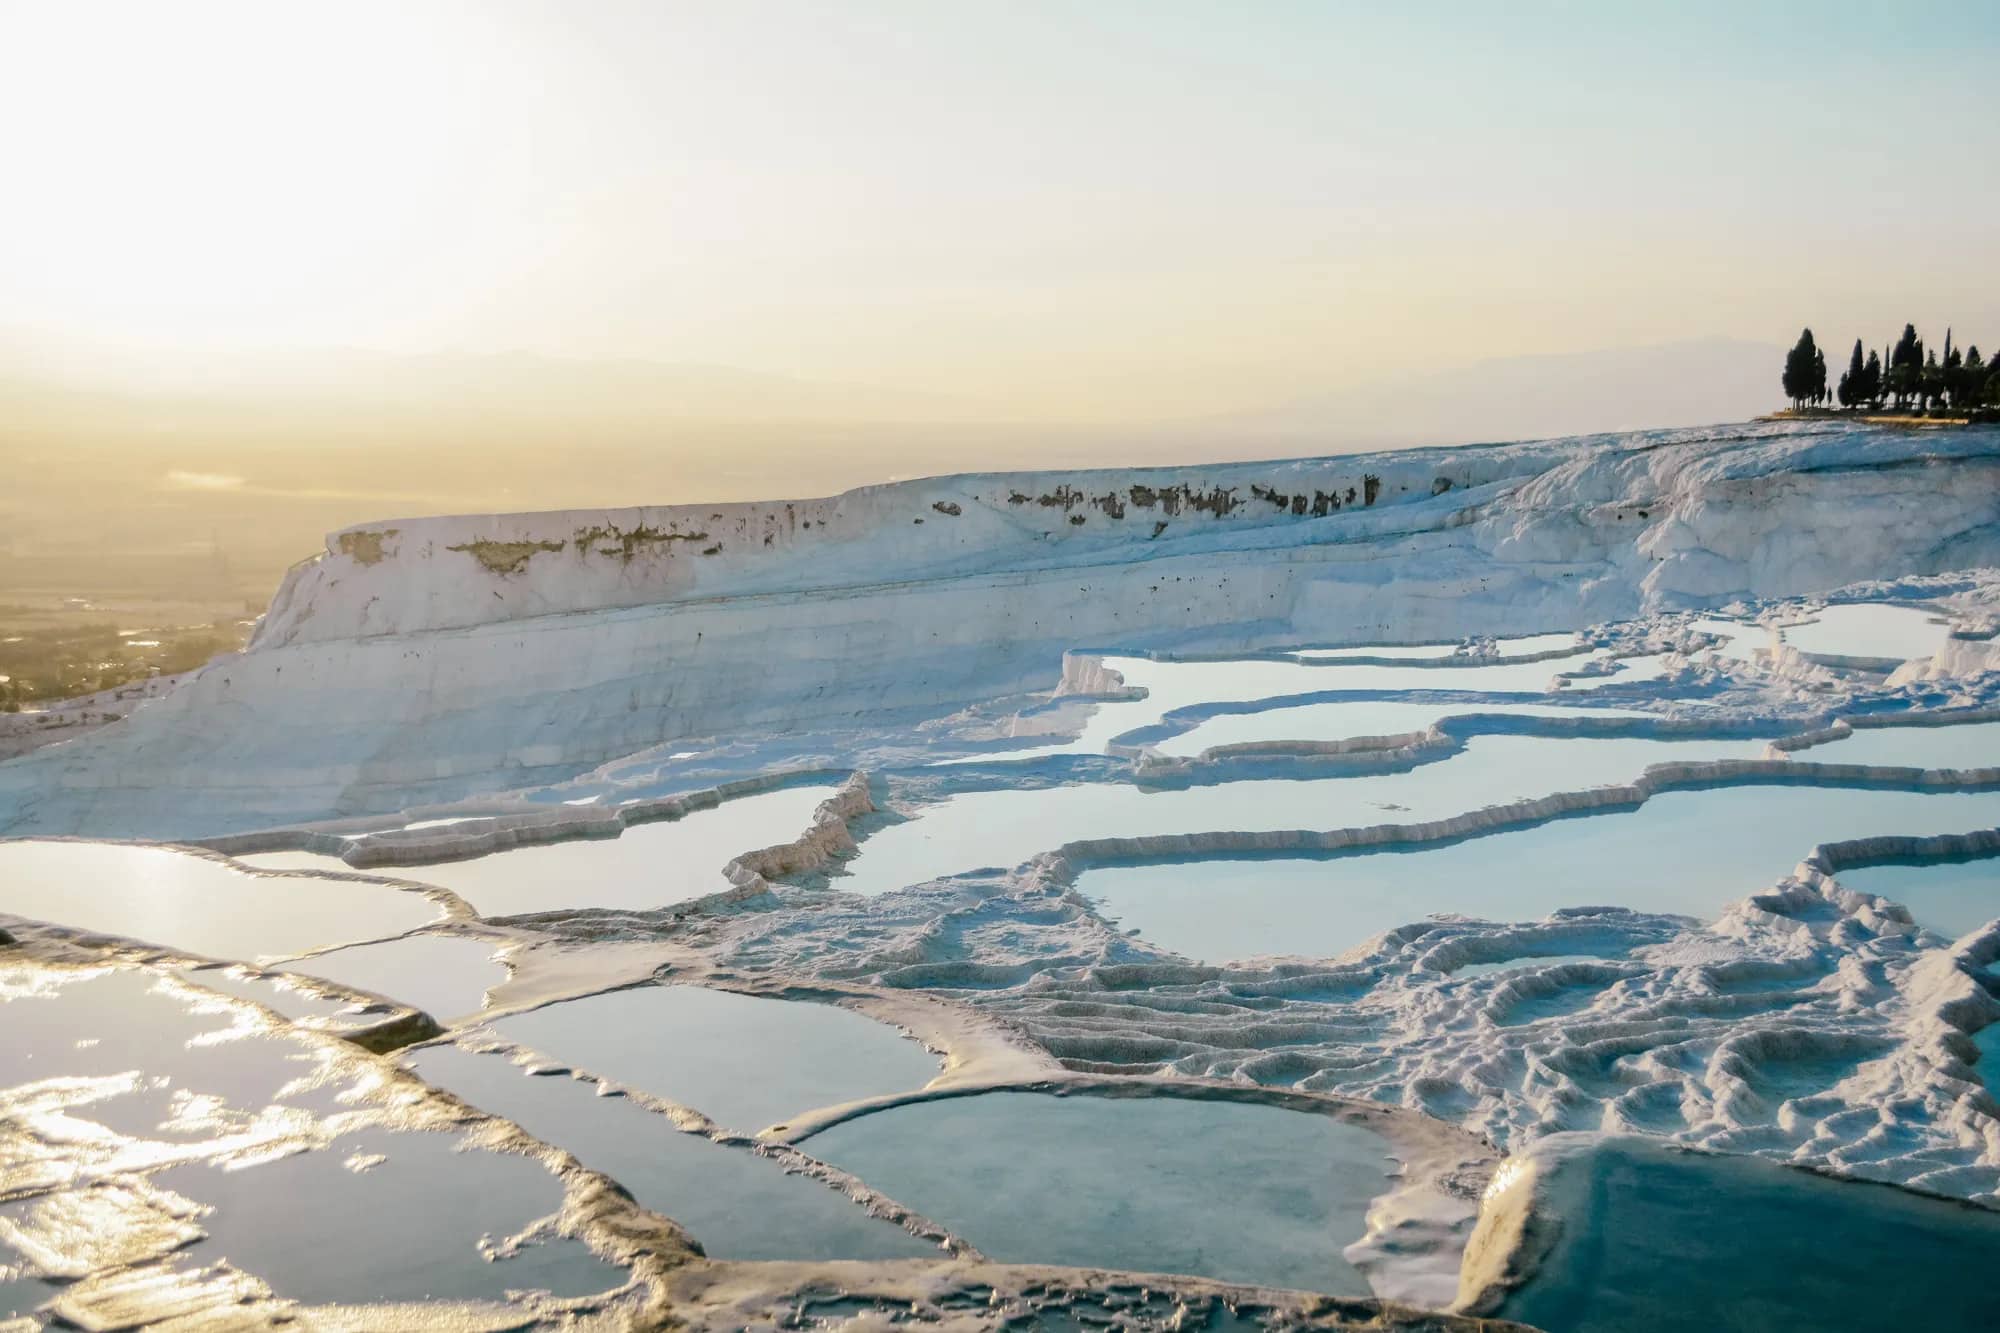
[432,658]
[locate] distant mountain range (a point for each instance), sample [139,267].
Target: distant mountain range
[137,474]
[332,386]
[341,391]
[1526,397]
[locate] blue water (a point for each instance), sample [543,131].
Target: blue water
[744,1062]
[1171,685]
[195,903]
[1520,964]
[316,1229]
[1227,1190]
[19,1294]
[1534,643]
[1006,827]
[1341,721]
[445,976]
[1685,852]
[1963,745]
[1408,652]
[170,1045]
[649,865]
[1952,898]
[737,1204]
[194,1074]
[1741,640]
[276,991]
[1987,1039]
[1869,630]
[1668,1242]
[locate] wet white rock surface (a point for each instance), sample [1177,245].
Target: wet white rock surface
[647,866]
[158,1134]
[1953,898]
[739,1204]
[1631,1223]
[1469,821]
[1004,827]
[446,976]
[1278,1193]
[745,1062]
[200,903]
[1684,853]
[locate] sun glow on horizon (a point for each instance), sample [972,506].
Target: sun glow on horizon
[234,172]
[1107,212]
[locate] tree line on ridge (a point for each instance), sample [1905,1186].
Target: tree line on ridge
[1903,375]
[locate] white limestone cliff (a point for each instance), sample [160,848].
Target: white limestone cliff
[429,659]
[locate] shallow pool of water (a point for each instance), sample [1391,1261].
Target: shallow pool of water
[745,1062]
[1987,1039]
[152,1052]
[1741,639]
[446,976]
[1340,721]
[1665,1241]
[1410,651]
[1227,1190]
[149,1076]
[1003,828]
[336,1224]
[277,991]
[648,865]
[1521,964]
[1870,629]
[1961,745]
[195,903]
[1685,852]
[1172,685]
[434,823]
[1628,671]
[1953,898]
[738,1205]
[19,1293]
[1535,643]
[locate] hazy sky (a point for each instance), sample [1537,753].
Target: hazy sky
[1110,210]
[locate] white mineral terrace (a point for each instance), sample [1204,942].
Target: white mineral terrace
[912,907]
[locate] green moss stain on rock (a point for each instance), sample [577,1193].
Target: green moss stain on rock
[365,547]
[505,557]
[625,543]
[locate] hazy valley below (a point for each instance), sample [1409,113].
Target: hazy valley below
[200,484]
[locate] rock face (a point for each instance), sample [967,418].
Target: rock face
[1687,515]
[430,658]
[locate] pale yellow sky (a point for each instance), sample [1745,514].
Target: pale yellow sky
[1106,211]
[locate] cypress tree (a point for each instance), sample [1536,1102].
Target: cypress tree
[1855,381]
[1799,369]
[1964,377]
[1906,366]
[1961,379]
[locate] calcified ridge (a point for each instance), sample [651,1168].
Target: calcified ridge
[912,645]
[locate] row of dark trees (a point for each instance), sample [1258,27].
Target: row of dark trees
[1903,374]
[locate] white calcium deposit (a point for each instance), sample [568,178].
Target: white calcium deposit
[430,690]
[430,659]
